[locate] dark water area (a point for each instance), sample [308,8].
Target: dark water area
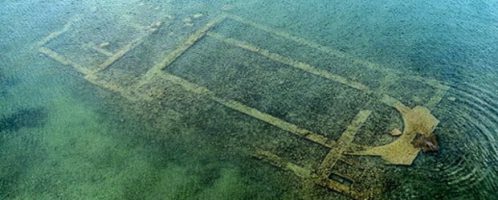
[229,99]
[24,118]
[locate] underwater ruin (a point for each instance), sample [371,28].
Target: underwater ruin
[248,100]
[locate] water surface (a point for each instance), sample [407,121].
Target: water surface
[194,131]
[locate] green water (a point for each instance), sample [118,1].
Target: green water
[64,135]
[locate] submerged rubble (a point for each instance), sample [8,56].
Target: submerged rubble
[426,143]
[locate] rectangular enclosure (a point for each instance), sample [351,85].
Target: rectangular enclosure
[314,93]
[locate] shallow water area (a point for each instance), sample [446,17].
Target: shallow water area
[229,99]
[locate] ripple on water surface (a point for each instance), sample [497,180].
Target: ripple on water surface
[468,167]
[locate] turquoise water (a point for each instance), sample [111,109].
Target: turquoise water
[234,111]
